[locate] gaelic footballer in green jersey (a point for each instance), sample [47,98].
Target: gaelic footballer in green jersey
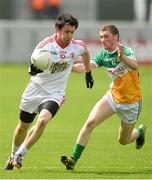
[124,97]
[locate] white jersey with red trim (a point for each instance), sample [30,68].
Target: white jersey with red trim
[54,79]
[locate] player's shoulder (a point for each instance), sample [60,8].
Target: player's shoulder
[46,41]
[128,51]
[127,48]
[78,42]
[102,53]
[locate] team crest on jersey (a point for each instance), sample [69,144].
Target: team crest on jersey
[114,61]
[72,55]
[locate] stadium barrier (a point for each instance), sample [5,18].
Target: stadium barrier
[142,49]
[18,38]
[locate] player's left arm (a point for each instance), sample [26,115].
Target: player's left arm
[86,60]
[131,62]
[88,76]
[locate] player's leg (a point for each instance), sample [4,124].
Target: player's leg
[127,131]
[128,134]
[101,111]
[25,122]
[47,111]
[38,129]
[32,137]
[19,135]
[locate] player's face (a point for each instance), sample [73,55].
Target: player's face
[108,40]
[65,35]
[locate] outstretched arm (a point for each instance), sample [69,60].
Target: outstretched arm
[80,68]
[85,67]
[86,60]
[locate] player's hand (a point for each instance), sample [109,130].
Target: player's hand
[89,80]
[120,50]
[33,70]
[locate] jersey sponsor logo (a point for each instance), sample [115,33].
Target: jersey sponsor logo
[118,70]
[59,66]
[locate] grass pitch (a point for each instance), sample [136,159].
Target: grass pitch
[103,157]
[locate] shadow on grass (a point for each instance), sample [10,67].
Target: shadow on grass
[56,173]
[110,172]
[106,173]
[118,173]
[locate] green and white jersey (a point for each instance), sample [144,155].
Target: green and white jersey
[125,82]
[109,60]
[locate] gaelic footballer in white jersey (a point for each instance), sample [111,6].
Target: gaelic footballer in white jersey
[54,79]
[46,89]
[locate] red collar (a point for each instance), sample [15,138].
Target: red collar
[62,46]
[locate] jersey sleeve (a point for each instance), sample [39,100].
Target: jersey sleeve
[80,46]
[98,59]
[129,52]
[42,46]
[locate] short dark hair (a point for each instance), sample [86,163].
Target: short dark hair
[112,28]
[66,18]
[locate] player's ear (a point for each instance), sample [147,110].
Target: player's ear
[116,37]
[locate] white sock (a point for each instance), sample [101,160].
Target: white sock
[14,149]
[22,150]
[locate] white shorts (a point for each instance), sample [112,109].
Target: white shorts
[34,95]
[127,112]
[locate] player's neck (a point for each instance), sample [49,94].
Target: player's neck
[113,48]
[61,43]
[111,52]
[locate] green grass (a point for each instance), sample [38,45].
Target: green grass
[103,158]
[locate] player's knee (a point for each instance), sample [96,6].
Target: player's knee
[41,122]
[91,123]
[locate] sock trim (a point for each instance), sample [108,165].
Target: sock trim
[140,132]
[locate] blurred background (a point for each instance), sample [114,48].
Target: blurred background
[23,23]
